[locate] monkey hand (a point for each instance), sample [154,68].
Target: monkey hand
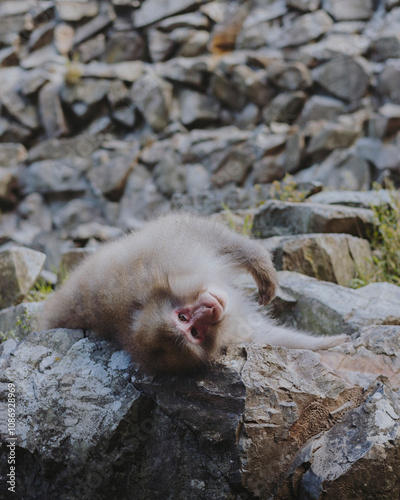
[266,292]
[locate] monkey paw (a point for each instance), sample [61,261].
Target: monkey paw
[266,292]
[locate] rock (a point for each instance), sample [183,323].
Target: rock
[95,231]
[75,11]
[170,175]
[124,46]
[8,57]
[340,170]
[363,199]
[129,71]
[197,178]
[32,81]
[269,168]
[93,48]
[80,146]
[333,136]
[304,5]
[9,29]
[119,96]
[259,411]
[109,172]
[140,199]
[285,107]
[329,309]
[50,110]
[9,8]
[327,257]
[208,202]
[386,47]
[279,218]
[97,24]
[344,77]
[70,259]
[209,147]
[64,35]
[19,321]
[367,442]
[196,44]
[262,142]
[42,36]
[289,76]
[320,108]
[389,79]
[152,11]
[19,269]
[85,97]
[390,114]
[50,243]
[25,113]
[197,109]
[187,71]
[306,28]
[9,188]
[76,212]
[152,96]
[344,11]
[196,20]
[294,152]
[335,45]
[253,84]
[368,353]
[226,91]
[11,154]
[33,212]
[13,132]
[51,176]
[161,45]
[234,167]
[248,117]
[382,156]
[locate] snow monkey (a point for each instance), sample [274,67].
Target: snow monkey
[166,294]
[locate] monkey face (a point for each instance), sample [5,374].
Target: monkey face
[173,335]
[195,320]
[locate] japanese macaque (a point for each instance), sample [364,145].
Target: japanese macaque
[166,294]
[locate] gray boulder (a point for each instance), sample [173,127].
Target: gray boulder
[279,218]
[326,308]
[328,257]
[19,269]
[255,422]
[343,76]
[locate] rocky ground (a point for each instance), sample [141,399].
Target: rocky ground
[114,112]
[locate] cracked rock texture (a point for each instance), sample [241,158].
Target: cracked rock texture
[263,422]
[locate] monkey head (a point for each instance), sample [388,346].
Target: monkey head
[176,334]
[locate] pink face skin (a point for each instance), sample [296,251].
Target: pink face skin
[194,320]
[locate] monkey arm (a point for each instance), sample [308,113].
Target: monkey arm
[254,258]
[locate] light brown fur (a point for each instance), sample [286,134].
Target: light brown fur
[127,289]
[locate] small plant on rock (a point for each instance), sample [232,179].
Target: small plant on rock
[287,190]
[385,242]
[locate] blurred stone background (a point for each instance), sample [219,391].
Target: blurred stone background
[112,112]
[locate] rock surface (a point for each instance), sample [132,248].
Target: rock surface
[328,309]
[19,268]
[285,218]
[322,256]
[264,421]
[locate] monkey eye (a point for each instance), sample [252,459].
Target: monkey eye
[194,333]
[182,318]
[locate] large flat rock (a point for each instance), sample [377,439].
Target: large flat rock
[271,422]
[325,308]
[282,218]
